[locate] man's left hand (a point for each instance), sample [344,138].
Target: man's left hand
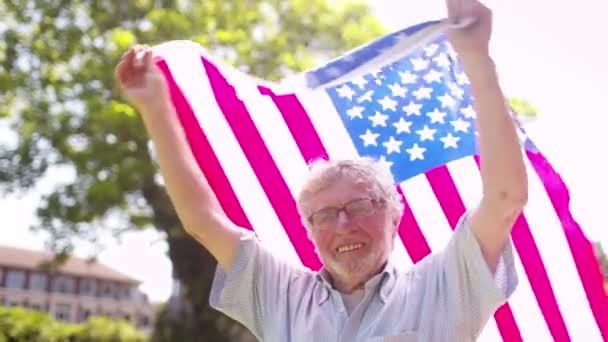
[473,41]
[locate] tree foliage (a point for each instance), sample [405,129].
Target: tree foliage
[22,325]
[57,92]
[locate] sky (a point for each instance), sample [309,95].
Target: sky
[547,52]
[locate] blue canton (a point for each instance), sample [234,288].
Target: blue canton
[416,113]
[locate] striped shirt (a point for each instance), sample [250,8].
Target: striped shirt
[447,296]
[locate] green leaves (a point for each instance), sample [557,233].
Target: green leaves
[122,38]
[21,325]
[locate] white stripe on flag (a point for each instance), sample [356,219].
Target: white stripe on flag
[427,212]
[190,75]
[524,306]
[553,247]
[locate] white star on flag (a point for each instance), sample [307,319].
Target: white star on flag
[468,112]
[403,126]
[355,112]
[378,119]
[408,77]
[431,49]
[433,76]
[397,90]
[423,93]
[426,133]
[416,152]
[392,145]
[385,161]
[460,125]
[412,108]
[360,82]
[436,116]
[456,90]
[447,101]
[369,138]
[449,141]
[366,97]
[462,78]
[388,103]
[420,64]
[442,60]
[345,91]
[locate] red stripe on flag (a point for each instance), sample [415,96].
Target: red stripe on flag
[447,195]
[530,257]
[413,239]
[582,250]
[263,165]
[539,280]
[204,154]
[299,124]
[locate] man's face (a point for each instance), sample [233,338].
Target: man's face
[357,242]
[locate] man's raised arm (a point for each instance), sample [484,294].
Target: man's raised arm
[503,171]
[198,210]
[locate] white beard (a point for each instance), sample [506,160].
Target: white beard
[355,268]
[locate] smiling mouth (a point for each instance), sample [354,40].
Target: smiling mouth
[350,247]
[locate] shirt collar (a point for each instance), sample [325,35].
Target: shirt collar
[382,282]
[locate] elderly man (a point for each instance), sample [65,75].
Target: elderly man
[351,210]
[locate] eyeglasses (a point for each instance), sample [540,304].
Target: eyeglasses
[360,207]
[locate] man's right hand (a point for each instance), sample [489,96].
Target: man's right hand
[145,87]
[140,80]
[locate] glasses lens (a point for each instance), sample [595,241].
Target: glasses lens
[324,216]
[360,207]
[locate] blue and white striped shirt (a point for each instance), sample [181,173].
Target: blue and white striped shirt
[447,296]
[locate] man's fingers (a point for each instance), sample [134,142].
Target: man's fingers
[454,8]
[148,59]
[133,65]
[458,9]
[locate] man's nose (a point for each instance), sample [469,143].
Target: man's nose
[342,221]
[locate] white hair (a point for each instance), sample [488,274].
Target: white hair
[363,169]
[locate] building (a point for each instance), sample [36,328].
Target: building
[77,290]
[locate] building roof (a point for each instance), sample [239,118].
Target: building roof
[31,260]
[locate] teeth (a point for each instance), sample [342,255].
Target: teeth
[350,247]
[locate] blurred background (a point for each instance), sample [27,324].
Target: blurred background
[81,192]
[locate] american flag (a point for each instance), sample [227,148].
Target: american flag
[405,100]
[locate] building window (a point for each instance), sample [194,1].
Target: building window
[15,279]
[37,306]
[38,281]
[88,287]
[107,290]
[127,293]
[63,312]
[64,284]
[143,321]
[84,313]
[13,302]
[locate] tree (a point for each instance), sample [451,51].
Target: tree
[57,92]
[19,324]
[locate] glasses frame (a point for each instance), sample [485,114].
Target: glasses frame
[376,203]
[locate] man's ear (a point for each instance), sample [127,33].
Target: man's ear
[396,221]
